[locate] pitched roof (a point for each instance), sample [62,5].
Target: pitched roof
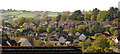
[24,42]
[82,37]
[62,40]
[77,33]
[12,43]
[107,32]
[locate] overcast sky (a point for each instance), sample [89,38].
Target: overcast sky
[58,5]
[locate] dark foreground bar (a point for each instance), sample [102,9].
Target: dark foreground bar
[39,50]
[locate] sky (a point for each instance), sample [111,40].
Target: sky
[58,5]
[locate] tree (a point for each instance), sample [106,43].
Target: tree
[65,15]
[24,24]
[87,16]
[101,41]
[92,18]
[112,29]
[113,12]
[41,44]
[82,29]
[49,44]
[47,18]
[115,33]
[4,37]
[58,18]
[20,21]
[95,13]
[97,28]
[87,43]
[76,15]
[98,34]
[41,30]
[111,43]
[93,49]
[102,16]
[50,29]
[58,30]
[72,30]
[36,21]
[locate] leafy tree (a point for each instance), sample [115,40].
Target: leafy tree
[92,18]
[64,15]
[36,21]
[97,28]
[82,29]
[115,33]
[41,30]
[58,30]
[93,49]
[20,21]
[47,18]
[76,15]
[101,41]
[87,16]
[87,43]
[49,44]
[98,34]
[24,24]
[107,27]
[34,28]
[112,29]
[72,30]
[102,16]
[113,12]
[41,44]
[58,18]
[4,37]
[50,29]
[116,20]
[95,13]
[111,43]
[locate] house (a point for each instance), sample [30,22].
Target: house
[76,41]
[60,24]
[32,34]
[77,34]
[5,44]
[82,37]
[70,39]
[66,26]
[62,40]
[46,24]
[24,42]
[107,33]
[88,24]
[11,42]
[114,39]
[115,24]
[68,43]
[31,24]
[55,25]
[42,36]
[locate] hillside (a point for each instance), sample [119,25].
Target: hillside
[13,14]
